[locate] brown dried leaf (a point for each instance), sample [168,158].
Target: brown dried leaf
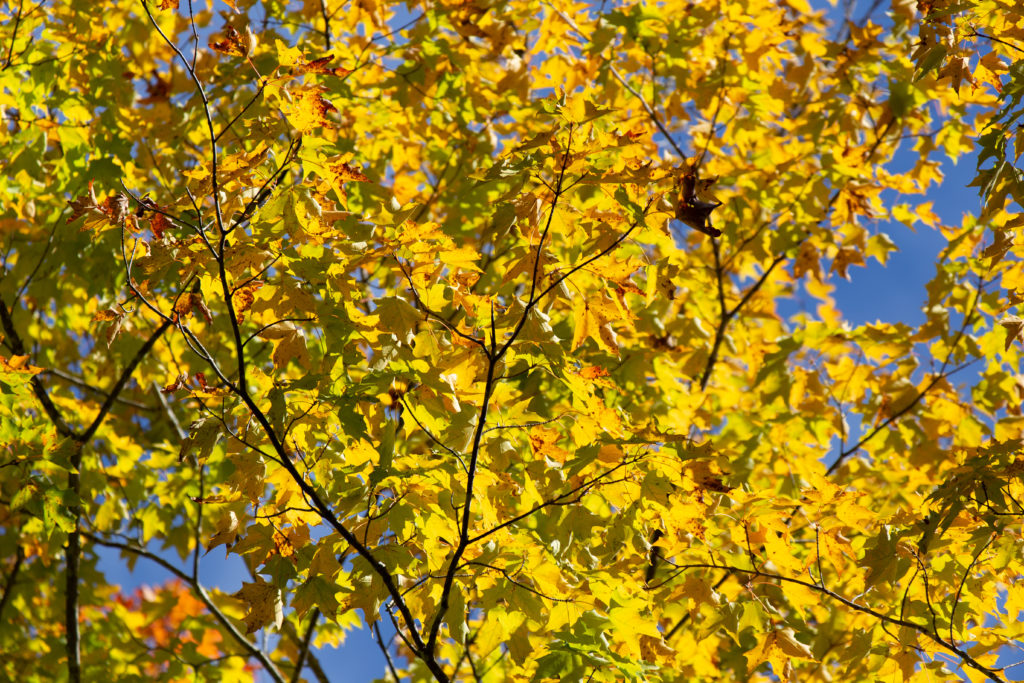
[1013,326]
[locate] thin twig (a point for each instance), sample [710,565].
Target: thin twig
[122,380]
[727,316]
[493,357]
[923,630]
[963,580]
[327,24]
[18,348]
[304,647]
[560,499]
[939,376]
[240,388]
[79,382]
[384,649]
[12,577]
[14,36]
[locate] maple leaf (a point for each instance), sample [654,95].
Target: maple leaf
[249,475]
[244,297]
[202,437]
[693,211]
[1013,326]
[159,224]
[777,647]
[316,592]
[263,603]
[83,205]
[235,44]
[310,110]
[114,316]
[227,531]
[341,173]
[289,343]
[320,66]
[846,257]
[593,319]
[808,260]
[191,301]
[517,447]
[18,365]
[1004,241]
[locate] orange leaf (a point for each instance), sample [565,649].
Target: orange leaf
[233,43]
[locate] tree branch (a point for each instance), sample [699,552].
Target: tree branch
[201,593]
[19,557]
[939,376]
[304,646]
[112,395]
[18,347]
[895,621]
[493,356]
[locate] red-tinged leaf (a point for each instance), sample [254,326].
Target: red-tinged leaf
[243,299]
[343,173]
[208,499]
[85,205]
[180,382]
[159,224]
[191,301]
[18,365]
[321,65]
[116,207]
[233,43]
[310,110]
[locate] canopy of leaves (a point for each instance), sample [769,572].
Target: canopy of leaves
[474,318]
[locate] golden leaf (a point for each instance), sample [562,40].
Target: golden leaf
[264,605]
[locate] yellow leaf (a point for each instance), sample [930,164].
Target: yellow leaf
[776,647]
[264,605]
[292,347]
[463,257]
[629,623]
[309,110]
[592,318]
[360,453]
[18,365]
[227,531]
[249,475]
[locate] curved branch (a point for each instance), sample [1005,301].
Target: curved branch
[894,621]
[201,593]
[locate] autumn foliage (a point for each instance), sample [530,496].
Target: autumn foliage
[469,326]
